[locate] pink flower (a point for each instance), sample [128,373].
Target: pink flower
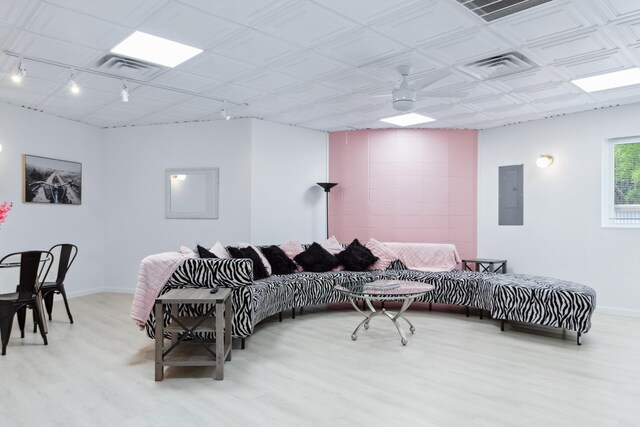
[4,208]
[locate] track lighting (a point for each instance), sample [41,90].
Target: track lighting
[223,112]
[18,75]
[124,93]
[73,86]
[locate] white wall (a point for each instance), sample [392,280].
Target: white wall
[561,236]
[286,203]
[136,159]
[40,226]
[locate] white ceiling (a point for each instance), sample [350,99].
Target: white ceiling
[316,64]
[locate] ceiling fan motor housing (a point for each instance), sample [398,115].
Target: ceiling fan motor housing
[404,99]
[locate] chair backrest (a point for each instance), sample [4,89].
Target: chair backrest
[30,270]
[67,255]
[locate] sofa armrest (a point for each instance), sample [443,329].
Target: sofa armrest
[205,272]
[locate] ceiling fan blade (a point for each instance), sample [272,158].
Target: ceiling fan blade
[441,94]
[434,77]
[387,95]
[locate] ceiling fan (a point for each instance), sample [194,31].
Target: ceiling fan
[404,96]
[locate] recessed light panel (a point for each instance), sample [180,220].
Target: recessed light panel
[408,119]
[155,49]
[613,80]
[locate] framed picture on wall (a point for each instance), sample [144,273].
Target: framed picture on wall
[51,181]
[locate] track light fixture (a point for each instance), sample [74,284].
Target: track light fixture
[124,93]
[73,86]
[223,112]
[19,74]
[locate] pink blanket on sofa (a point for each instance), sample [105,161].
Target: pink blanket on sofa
[426,256]
[154,272]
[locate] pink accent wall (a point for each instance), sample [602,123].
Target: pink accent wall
[405,185]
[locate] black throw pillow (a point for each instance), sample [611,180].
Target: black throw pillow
[280,262]
[259,271]
[316,259]
[205,253]
[356,257]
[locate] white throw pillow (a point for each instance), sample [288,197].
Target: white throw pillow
[220,251]
[332,245]
[187,252]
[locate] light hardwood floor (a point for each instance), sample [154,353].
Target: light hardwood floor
[455,371]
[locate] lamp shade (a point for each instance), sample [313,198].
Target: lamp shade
[327,186]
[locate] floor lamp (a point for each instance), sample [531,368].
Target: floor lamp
[327,186]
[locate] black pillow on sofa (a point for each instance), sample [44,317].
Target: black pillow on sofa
[259,272]
[316,259]
[280,262]
[205,253]
[356,257]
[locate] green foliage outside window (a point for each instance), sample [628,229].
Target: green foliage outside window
[627,173]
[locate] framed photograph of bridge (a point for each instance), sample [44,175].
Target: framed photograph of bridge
[52,181]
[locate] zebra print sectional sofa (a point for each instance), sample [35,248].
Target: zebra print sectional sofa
[530,299]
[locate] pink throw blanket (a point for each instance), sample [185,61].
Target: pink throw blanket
[154,272]
[427,256]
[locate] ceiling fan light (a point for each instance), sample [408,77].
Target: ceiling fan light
[403,104]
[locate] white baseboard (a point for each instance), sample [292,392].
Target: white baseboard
[618,311]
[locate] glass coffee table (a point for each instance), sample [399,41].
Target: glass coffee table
[384,290]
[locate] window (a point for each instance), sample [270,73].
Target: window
[621,183]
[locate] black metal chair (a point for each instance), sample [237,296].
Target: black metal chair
[66,257]
[26,294]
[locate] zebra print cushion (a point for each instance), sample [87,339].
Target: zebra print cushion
[532,299]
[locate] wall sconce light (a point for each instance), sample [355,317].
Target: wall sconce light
[179,177]
[545,160]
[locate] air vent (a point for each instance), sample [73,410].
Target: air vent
[490,10]
[499,66]
[128,68]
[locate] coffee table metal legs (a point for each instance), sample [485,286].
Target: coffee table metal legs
[391,315]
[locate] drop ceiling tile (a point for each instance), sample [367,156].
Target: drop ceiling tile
[311,93]
[551,90]
[187,81]
[18,96]
[120,112]
[216,67]
[285,117]
[29,44]
[352,82]
[255,47]
[308,65]
[353,102]
[562,101]
[360,47]
[74,27]
[317,111]
[160,95]
[426,22]
[629,29]
[187,25]
[124,12]
[235,93]
[466,46]
[589,66]
[32,84]
[16,12]
[536,78]
[244,12]
[266,81]
[368,11]
[304,23]
[388,67]
[587,43]
[537,25]
[276,103]
[615,9]
[77,106]
[491,102]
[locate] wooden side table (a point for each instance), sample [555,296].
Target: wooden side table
[485,265]
[195,351]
